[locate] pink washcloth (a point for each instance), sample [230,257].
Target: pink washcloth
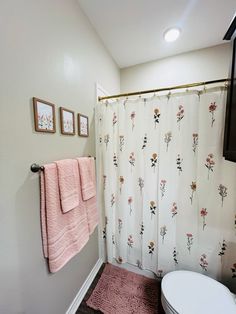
[87,176]
[63,234]
[87,167]
[68,177]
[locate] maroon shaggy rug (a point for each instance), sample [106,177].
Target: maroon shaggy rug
[123,292]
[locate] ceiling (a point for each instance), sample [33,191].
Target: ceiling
[132,30]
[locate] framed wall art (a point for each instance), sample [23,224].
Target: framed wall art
[83,125]
[44,116]
[67,121]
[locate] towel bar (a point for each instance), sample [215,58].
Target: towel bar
[36,168]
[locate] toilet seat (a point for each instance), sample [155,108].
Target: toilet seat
[187,292]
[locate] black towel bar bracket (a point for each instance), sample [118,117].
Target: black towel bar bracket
[36,168]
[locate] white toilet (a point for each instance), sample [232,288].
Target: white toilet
[187,292]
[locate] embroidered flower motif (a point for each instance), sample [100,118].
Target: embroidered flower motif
[212,109]
[120,260]
[141,184]
[233,269]
[159,273]
[141,230]
[163,232]
[132,160]
[122,142]
[203,262]
[195,142]
[175,254]
[122,180]
[106,139]
[167,139]
[223,247]
[179,161]
[104,233]
[144,141]
[130,201]
[153,208]
[130,243]
[115,162]
[120,224]
[163,187]
[104,182]
[139,264]
[209,164]
[203,214]
[112,199]
[193,187]
[151,248]
[156,116]
[113,239]
[114,120]
[132,117]
[154,161]
[189,241]
[223,193]
[180,115]
[174,210]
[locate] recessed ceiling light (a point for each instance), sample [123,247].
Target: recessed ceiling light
[171,34]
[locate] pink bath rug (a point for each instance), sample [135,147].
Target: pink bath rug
[123,292]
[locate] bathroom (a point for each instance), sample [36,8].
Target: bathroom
[69,53]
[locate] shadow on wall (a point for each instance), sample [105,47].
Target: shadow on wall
[227,266]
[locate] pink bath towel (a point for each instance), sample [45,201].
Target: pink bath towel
[88,181]
[63,234]
[67,179]
[87,176]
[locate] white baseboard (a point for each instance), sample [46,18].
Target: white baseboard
[80,295]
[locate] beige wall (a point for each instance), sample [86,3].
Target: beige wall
[199,65]
[48,50]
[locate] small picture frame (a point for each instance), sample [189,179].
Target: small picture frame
[83,125]
[44,116]
[67,121]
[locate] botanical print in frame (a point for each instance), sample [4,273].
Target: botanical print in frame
[83,124]
[67,121]
[44,116]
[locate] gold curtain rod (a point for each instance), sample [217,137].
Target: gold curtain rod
[163,89]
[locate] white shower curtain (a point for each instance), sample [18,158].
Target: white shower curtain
[167,197]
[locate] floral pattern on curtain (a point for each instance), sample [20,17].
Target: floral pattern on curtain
[167,196]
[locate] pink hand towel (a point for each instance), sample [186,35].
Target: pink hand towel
[68,184]
[63,235]
[87,175]
[88,178]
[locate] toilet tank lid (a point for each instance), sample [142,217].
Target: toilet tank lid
[191,292]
